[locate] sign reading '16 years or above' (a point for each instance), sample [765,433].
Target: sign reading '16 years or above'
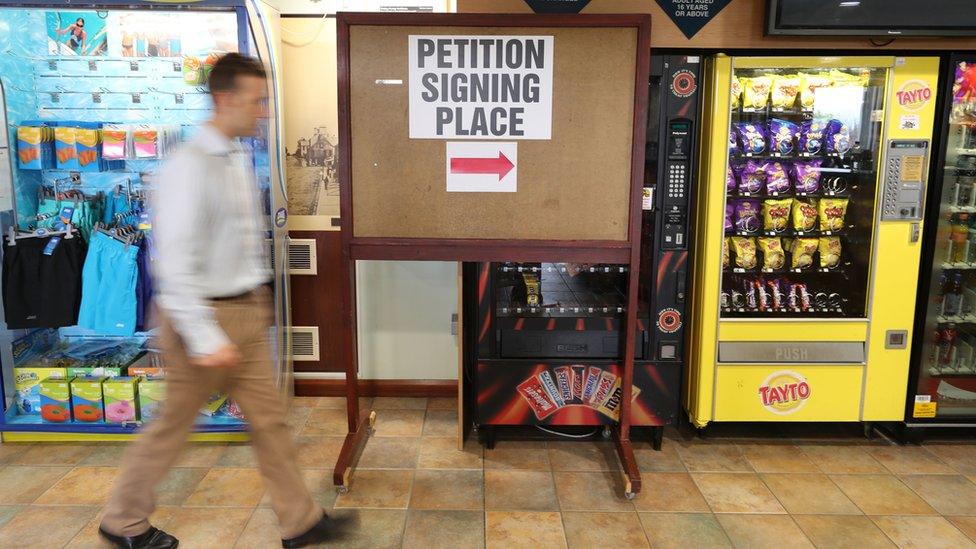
[480,87]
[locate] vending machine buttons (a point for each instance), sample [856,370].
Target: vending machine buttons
[904,180]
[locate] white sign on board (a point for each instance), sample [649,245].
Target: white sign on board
[482,167]
[480,87]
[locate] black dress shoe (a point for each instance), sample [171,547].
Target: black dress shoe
[154,538]
[326,529]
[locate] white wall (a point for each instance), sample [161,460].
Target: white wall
[404,317]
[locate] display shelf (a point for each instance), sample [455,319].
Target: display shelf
[778,313]
[760,195]
[768,110]
[562,311]
[31,423]
[942,373]
[961,209]
[958,266]
[742,157]
[561,268]
[788,233]
[956,319]
[786,271]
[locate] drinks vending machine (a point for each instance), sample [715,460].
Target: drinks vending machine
[942,387]
[810,215]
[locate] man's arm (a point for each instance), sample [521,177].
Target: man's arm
[181,221]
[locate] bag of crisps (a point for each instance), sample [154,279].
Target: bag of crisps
[802,252]
[829,252]
[805,215]
[832,212]
[784,91]
[736,90]
[745,252]
[808,87]
[774,257]
[776,213]
[777,178]
[755,92]
[725,253]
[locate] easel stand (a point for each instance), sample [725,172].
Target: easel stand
[599,182]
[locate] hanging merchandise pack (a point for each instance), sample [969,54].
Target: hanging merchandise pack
[139,141]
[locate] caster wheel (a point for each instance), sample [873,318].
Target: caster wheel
[606,433]
[630,495]
[342,489]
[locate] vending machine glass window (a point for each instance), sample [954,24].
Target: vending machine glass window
[946,373]
[800,192]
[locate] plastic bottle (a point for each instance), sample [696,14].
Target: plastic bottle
[952,300]
[960,238]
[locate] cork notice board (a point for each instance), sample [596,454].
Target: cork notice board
[577,185]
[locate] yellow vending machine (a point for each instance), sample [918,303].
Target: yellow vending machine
[810,214]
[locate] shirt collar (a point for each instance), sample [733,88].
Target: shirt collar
[214,142]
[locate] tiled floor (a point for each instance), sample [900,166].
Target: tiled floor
[415,489]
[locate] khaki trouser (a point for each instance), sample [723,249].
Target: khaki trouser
[146,462]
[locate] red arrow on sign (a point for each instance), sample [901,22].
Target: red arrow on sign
[499,166]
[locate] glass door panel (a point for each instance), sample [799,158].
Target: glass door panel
[800,192]
[948,369]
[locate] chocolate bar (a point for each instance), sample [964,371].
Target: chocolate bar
[579,378]
[611,406]
[564,382]
[550,387]
[592,380]
[604,387]
[533,393]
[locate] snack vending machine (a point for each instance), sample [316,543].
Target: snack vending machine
[543,340]
[95,96]
[942,388]
[807,256]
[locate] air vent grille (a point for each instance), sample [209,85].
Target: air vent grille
[302,258]
[305,343]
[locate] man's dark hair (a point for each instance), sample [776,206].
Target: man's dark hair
[223,76]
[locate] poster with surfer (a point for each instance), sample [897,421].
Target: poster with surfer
[76,33]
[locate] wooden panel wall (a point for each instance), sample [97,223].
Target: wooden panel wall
[314,301]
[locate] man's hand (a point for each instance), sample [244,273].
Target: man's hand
[225,357]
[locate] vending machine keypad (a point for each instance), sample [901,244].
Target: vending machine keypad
[904,179]
[676,178]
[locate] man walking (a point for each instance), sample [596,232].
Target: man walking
[215,310]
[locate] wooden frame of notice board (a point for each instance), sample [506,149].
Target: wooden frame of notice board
[579,189]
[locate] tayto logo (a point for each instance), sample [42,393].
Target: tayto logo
[683,83]
[784,392]
[913,95]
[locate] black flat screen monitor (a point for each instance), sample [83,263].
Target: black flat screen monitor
[872,17]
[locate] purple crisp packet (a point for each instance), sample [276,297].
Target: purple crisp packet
[728,216]
[781,133]
[807,176]
[751,177]
[729,180]
[777,178]
[733,143]
[747,215]
[811,137]
[837,136]
[752,137]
